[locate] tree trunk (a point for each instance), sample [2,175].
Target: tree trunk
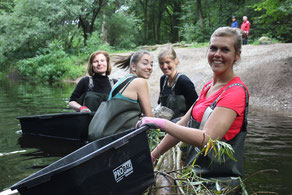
[159,19]
[208,13]
[200,13]
[86,23]
[176,12]
[103,30]
[153,21]
[145,7]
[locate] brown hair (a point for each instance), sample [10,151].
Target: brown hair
[90,61]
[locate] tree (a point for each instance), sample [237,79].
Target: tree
[88,14]
[276,17]
[6,6]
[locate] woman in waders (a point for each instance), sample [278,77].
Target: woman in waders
[93,89]
[220,112]
[136,90]
[177,92]
[128,99]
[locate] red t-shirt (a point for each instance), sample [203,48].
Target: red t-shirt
[245,27]
[233,98]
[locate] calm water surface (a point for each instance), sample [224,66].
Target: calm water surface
[268,144]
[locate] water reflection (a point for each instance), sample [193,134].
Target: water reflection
[24,99]
[268,143]
[269,146]
[48,146]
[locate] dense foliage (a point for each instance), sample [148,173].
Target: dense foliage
[29,28]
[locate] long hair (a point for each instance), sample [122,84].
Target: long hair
[124,62]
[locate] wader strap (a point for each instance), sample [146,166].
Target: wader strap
[90,84]
[206,115]
[120,86]
[165,83]
[111,82]
[210,108]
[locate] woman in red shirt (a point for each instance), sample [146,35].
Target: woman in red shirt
[219,112]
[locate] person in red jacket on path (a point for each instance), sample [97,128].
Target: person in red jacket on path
[245,27]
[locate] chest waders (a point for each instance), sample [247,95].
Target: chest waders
[177,103]
[209,167]
[93,99]
[114,115]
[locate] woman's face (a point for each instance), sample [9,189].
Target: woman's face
[168,65]
[143,68]
[99,64]
[222,54]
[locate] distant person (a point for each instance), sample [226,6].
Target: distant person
[234,22]
[245,27]
[93,89]
[177,91]
[128,99]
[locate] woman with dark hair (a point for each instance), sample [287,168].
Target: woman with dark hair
[93,89]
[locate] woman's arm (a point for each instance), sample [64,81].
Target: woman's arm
[143,96]
[216,127]
[80,88]
[169,141]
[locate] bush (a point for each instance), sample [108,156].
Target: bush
[50,65]
[94,43]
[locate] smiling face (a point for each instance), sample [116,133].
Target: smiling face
[99,64]
[222,54]
[143,68]
[168,65]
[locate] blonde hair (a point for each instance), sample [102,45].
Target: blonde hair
[231,32]
[167,51]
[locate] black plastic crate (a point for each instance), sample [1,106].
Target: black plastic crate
[118,164]
[72,125]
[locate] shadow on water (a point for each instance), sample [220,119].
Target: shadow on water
[48,146]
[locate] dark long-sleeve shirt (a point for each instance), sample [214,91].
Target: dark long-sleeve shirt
[184,86]
[101,85]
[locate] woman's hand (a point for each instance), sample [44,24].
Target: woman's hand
[154,123]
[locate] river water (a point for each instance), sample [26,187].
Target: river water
[268,146]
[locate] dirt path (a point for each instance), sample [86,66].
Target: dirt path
[266,70]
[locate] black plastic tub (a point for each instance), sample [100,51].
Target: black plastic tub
[71,126]
[118,164]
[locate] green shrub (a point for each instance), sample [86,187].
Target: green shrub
[94,43]
[50,65]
